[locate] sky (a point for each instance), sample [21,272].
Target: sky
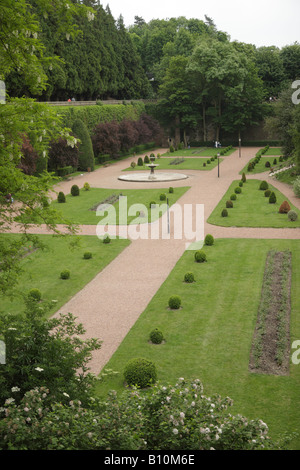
[258,22]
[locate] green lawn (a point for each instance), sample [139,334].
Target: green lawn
[274,151]
[78,209]
[188,164]
[260,167]
[196,152]
[42,268]
[252,209]
[210,337]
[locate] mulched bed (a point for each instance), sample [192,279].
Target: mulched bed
[270,350]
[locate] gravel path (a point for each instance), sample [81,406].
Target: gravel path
[112,302]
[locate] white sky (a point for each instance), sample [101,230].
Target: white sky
[259,22]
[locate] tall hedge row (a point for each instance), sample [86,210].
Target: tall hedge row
[95,114]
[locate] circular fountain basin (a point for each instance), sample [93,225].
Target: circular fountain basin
[154,178]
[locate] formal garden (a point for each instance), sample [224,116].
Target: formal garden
[118,343]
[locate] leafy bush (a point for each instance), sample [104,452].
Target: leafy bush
[172,149]
[209,240]
[87,255]
[238,190]
[189,278]
[200,256]
[75,190]
[162,197]
[65,274]
[133,164]
[204,164]
[140,161]
[275,161]
[140,372]
[233,197]
[156,336]
[292,216]
[86,159]
[263,186]
[61,198]
[174,302]
[171,190]
[35,294]
[284,208]
[106,239]
[224,213]
[244,178]
[267,193]
[272,198]
[229,204]
[146,159]
[296,186]
[241,184]
[86,187]
[267,164]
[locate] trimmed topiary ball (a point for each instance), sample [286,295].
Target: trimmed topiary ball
[174,302]
[106,239]
[229,204]
[75,190]
[35,294]
[200,256]
[61,198]
[267,164]
[241,184]
[233,197]
[65,274]
[292,216]
[162,197]
[209,240]
[171,190]
[224,213]
[284,208]
[267,193]
[189,278]
[238,190]
[272,198]
[146,159]
[140,161]
[87,255]
[140,372]
[263,186]
[86,187]
[156,336]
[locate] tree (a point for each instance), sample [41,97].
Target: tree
[86,153]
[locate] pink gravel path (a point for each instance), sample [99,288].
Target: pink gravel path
[112,302]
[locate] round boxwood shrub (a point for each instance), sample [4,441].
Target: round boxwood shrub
[263,186]
[87,255]
[224,213]
[174,302]
[238,190]
[209,240]
[241,184]
[267,193]
[233,197]
[156,336]
[140,161]
[61,198]
[86,187]
[292,216]
[140,372]
[229,204]
[200,256]
[204,164]
[65,274]
[106,239]
[133,164]
[208,162]
[171,190]
[35,294]
[162,197]
[272,198]
[267,164]
[189,278]
[75,190]
[284,208]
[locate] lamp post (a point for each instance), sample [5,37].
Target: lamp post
[218,165]
[240,149]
